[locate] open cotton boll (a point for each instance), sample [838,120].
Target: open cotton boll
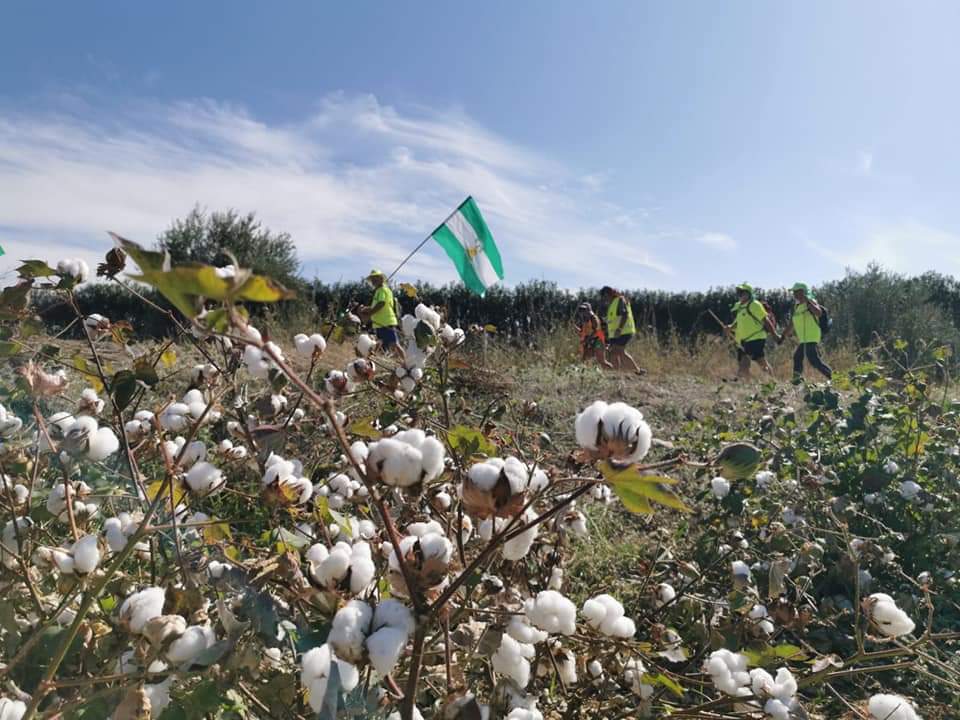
[308,345]
[315,672]
[764,478]
[365,344]
[891,707]
[720,487]
[349,630]
[188,646]
[86,555]
[512,659]
[384,648]
[12,709]
[523,632]
[890,619]
[728,670]
[605,613]
[909,490]
[408,324]
[74,268]
[615,431]
[10,424]
[665,594]
[57,499]
[86,438]
[336,383]
[406,459]
[9,539]
[556,579]
[140,426]
[428,315]
[553,612]
[90,402]
[517,548]
[204,478]
[740,571]
[141,607]
[175,417]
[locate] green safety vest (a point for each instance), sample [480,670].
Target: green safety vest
[385,316]
[613,319]
[806,325]
[748,324]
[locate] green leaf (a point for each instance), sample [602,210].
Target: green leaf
[123,387]
[363,427]
[35,269]
[636,490]
[259,288]
[424,335]
[146,373]
[738,461]
[667,682]
[469,441]
[13,300]
[774,655]
[9,348]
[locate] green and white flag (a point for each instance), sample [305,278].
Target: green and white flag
[467,240]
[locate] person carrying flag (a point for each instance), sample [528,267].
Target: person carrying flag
[806,327]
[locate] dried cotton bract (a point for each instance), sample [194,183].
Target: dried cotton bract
[615,431]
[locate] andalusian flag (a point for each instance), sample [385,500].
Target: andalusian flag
[467,240]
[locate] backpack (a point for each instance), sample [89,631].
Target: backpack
[826,322]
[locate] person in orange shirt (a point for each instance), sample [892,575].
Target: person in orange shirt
[592,339]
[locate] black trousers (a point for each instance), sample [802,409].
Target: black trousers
[812,351]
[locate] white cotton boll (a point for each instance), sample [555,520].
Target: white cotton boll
[307,345]
[9,539]
[408,324]
[720,487]
[622,627]
[362,571]
[188,646]
[442,501]
[523,632]
[63,560]
[337,383]
[74,268]
[556,579]
[539,480]
[113,530]
[890,619]
[909,490]
[428,315]
[587,424]
[891,467]
[159,696]
[761,615]
[195,451]
[12,709]
[384,648]
[777,709]
[216,569]
[408,384]
[142,607]
[86,555]
[349,630]
[740,571]
[567,668]
[665,594]
[728,671]
[633,673]
[175,417]
[10,424]
[90,402]
[204,478]
[517,548]
[616,430]
[365,344]
[891,707]
[595,668]
[513,660]
[764,478]
[431,527]
[553,612]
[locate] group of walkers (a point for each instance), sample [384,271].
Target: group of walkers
[605,339]
[752,323]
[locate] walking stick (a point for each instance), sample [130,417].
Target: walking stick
[726,330]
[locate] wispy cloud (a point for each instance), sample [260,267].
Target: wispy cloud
[717,241]
[907,246]
[355,183]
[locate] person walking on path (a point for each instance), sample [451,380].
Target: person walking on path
[620,328]
[591,335]
[751,323]
[382,314]
[807,313]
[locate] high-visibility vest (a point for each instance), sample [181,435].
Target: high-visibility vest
[748,324]
[385,316]
[806,325]
[613,318]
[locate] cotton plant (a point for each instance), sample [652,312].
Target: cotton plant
[284,480]
[378,635]
[614,431]
[330,567]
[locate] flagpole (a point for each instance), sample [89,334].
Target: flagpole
[426,239]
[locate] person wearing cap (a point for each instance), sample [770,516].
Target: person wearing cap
[806,327]
[751,323]
[620,328]
[382,314]
[591,335]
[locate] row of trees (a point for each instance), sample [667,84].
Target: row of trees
[863,304]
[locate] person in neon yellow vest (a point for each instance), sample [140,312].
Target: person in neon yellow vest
[382,314]
[620,328]
[806,328]
[749,328]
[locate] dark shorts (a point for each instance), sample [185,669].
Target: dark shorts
[387,336]
[620,341]
[754,349]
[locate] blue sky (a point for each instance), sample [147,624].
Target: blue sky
[670,145]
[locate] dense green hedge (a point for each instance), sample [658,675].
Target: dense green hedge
[875,302]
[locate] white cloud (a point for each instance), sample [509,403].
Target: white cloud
[906,246]
[356,184]
[717,241]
